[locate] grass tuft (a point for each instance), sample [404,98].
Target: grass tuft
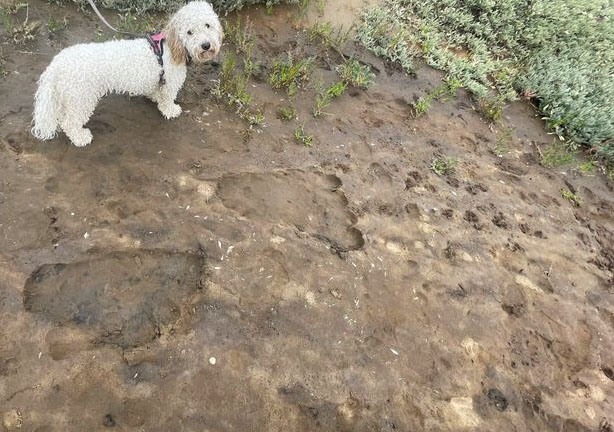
[355,74]
[444,166]
[301,137]
[290,74]
[573,198]
[556,155]
[325,96]
[442,93]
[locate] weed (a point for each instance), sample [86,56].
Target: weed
[502,142]
[241,36]
[353,73]
[301,137]
[327,37]
[230,89]
[325,96]
[444,166]
[3,71]
[56,26]
[138,23]
[288,113]
[492,108]
[20,32]
[291,74]
[320,6]
[587,167]
[441,93]
[571,197]
[556,154]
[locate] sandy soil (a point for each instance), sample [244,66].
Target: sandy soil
[183,276]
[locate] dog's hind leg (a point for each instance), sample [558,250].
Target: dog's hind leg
[73,122]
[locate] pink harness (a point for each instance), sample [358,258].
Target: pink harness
[156,40]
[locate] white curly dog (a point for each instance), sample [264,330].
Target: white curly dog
[79,76]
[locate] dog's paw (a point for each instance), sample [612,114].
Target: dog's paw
[171,111]
[82,138]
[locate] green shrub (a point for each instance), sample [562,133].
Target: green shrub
[141,6]
[559,52]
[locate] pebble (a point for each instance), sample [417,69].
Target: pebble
[212,360]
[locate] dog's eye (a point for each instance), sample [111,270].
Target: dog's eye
[207,25]
[190,32]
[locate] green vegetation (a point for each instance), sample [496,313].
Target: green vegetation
[138,23]
[571,197]
[501,147]
[301,137]
[291,74]
[355,74]
[57,26]
[327,37]
[241,36]
[19,30]
[288,113]
[444,166]
[441,92]
[140,6]
[587,167]
[557,52]
[230,89]
[555,155]
[325,97]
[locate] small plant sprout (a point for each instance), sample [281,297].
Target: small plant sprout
[444,166]
[355,74]
[241,36]
[56,26]
[441,93]
[291,74]
[288,113]
[325,97]
[574,199]
[556,154]
[301,137]
[502,142]
[230,89]
[587,167]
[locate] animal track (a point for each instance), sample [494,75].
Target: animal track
[122,298]
[282,197]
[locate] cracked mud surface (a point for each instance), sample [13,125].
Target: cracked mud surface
[342,287]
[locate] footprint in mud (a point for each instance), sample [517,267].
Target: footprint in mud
[99,127]
[309,201]
[122,298]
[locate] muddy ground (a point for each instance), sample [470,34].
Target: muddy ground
[186,276]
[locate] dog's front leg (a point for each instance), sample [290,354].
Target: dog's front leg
[166,102]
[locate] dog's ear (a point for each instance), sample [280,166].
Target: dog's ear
[177,49]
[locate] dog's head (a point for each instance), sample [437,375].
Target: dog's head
[194,30]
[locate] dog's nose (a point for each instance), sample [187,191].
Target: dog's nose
[206,46]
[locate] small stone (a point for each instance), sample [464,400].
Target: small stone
[212,360]
[108,421]
[11,420]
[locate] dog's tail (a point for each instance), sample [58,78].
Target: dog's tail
[45,118]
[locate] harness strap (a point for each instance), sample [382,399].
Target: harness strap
[156,40]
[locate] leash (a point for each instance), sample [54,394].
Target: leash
[155,40]
[107,24]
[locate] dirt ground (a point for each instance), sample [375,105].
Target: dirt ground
[184,276]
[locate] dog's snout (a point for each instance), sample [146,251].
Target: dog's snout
[206,46]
